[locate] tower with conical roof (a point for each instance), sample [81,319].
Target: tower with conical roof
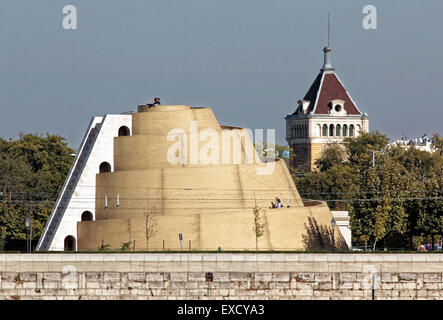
[325,115]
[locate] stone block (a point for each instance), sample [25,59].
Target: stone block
[178,276]
[263,276]
[6,284]
[432,257]
[432,277]
[25,276]
[306,266]
[111,277]
[156,284]
[434,293]
[198,266]
[137,277]
[348,276]
[221,276]
[92,276]
[278,257]
[162,257]
[281,285]
[376,258]
[281,276]
[9,276]
[390,258]
[238,257]
[405,257]
[303,276]
[306,257]
[292,266]
[197,276]
[407,293]
[239,276]
[191,285]
[138,257]
[430,285]
[333,257]
[48,284]
[302,292]
[404,277]
[154,276]
[349,257]
[323,277]
[177,284]
[247,266]
[223,292]
[209,257]
[263,257]
[52,276]
[408,285]
[387,285]
[198,292]
[30,285]
[250,257]
[271,267]
[346,285]
[292,257]
[149,266]
[320,267]
[325,286]
[194,257]
[419,257]
[320,258]
[389,277]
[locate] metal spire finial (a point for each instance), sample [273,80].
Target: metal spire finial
[329,29]
[327,50]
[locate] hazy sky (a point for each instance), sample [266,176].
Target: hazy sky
[249,60]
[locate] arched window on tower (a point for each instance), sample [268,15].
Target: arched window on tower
[70,243]
[124,131]
[325,130]
[345,130]
[351,130]
[318,133]
[104,167]
[338,130]
[87,216]
[331,130]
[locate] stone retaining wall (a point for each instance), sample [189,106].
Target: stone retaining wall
[221,276]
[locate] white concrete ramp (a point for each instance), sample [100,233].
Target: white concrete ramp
[78,192]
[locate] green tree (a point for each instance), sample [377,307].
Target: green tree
[337,186]
[392,201]
[332,155]
[360,149]
[32,170]
[258,227]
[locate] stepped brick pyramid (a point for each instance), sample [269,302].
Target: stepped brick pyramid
[209,204]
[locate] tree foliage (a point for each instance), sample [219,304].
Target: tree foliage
[32,171]
[258,227]
[394,194]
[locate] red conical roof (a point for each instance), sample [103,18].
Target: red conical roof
[325,88]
